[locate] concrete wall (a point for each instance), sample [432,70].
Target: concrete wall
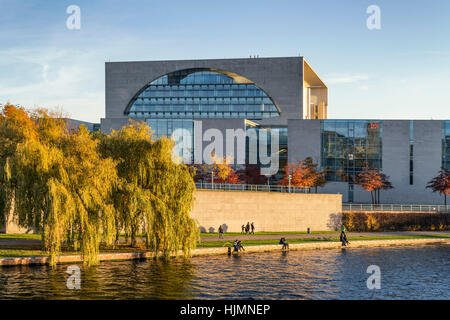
[270,211]
[75,124]
[113,124]
[304,140]
[280,78]
[11,225]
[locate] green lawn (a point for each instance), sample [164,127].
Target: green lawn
[20,236]
[16,252]
[224,243]
[8,253]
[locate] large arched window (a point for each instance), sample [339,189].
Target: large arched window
[201,93]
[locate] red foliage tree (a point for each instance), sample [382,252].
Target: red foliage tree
[251,174]
[220,171]
[441,183]
[373,180]
[304,174]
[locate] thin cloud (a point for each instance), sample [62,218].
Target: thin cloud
[345,78]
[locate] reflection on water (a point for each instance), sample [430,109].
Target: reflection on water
[406,273]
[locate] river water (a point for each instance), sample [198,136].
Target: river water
[406,273]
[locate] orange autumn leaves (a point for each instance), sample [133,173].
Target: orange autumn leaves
[373,180]
[304,174]
[220,171]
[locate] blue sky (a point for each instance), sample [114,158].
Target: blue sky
[401,71]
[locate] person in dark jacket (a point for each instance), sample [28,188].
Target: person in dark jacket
[253,227]
[343,238]
[220,232]
[237,245]
[284,243]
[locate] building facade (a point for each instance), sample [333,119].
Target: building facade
[410,152]
[270,90]
[283,95]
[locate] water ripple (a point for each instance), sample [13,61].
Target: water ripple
[407,273]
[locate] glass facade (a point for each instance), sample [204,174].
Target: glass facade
[347,145]
[181,131]
[446,144]
[202,93]
[282,151]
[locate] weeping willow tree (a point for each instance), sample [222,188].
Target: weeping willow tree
[56,182]
[90,181]
[77,189]
[16,128]
[170,228]
[154,194]
[131,148]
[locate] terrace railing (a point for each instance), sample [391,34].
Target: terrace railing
[249,187]
[395,207]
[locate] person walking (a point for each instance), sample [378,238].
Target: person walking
[343,237]
[247,228]
[243,229]
[253,228]
[220,232]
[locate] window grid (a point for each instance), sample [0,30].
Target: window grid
[202,94]
[446,144]
[181,131]
[347,145]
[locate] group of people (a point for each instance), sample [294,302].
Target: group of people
[249,228]
[246,229]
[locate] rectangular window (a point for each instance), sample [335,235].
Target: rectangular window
[348,145]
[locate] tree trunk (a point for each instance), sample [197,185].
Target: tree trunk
[9,215]
[133,233]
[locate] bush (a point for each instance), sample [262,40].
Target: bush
[372,222]
[390,221]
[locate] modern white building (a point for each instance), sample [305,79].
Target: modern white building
[283,94]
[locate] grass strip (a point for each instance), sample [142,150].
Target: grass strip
[8,253]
